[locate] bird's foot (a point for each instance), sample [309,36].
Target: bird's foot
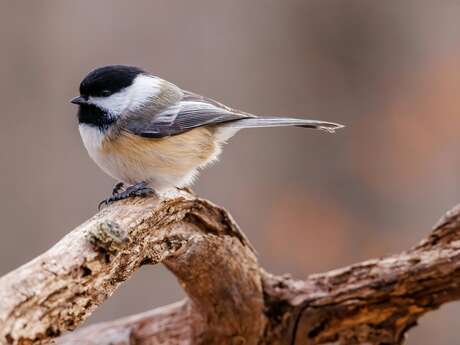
[139,189]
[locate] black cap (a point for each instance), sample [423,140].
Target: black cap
[104,81]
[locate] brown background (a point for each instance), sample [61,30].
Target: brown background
[310,202]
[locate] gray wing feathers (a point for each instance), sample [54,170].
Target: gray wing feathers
[181,117]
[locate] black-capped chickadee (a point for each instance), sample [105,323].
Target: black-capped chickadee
[147,132]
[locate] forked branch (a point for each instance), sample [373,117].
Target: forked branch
[231,300]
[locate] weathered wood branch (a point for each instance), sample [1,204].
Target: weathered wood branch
[231,300]
[196,240]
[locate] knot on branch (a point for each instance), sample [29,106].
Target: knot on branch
[108,235]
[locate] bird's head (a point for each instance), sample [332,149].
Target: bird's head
[109,91]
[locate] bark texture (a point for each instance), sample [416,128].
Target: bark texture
[231,299]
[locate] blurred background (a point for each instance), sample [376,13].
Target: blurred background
[309,201]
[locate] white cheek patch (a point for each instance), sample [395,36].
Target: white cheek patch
[114,104]
[131,98]
[143,89]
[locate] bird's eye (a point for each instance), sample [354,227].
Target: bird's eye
[106,93]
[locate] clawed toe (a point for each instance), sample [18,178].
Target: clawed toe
[110,200]
[140,189]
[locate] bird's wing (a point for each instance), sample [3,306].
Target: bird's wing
[191,111]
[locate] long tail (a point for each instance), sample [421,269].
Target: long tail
[273,121]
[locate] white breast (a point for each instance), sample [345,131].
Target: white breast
[92,139]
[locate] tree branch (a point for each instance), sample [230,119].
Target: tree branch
[231,299]
[196,240]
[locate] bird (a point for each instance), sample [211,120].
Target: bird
[151,135]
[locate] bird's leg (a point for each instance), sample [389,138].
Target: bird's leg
[138,189]
[118,188]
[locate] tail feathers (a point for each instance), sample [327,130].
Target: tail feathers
[273,121]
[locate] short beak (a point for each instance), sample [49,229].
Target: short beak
[78,100]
